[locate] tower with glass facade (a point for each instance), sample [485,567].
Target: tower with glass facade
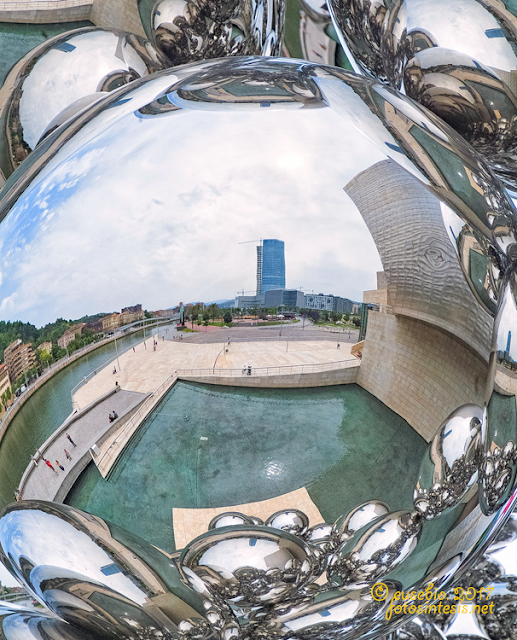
[272,267]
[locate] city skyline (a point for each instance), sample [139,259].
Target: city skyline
[185,232]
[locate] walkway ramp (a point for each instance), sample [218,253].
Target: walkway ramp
[86,428]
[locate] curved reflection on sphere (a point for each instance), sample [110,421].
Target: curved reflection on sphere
[346,525]
[451,464]
[250,565]
[192,30]
[64,75]
[293,521]
[375,550]
[81,569]
[420,628]
[17,623]
[458,59]
[239,140]
[331,613]
[229,519]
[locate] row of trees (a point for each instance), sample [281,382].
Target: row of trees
[199,314]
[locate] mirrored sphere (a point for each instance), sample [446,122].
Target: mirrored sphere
[150,189]
[329,613]
[458,59]
[250,565]
[192,30]
[291,520]
[61,77]
[450,466]
[81,568]
[346,525]
[17,623]
[375,550]
[229,519]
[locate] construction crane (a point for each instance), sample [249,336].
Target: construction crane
[247,241]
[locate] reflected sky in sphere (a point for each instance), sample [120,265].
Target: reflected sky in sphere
[151,209]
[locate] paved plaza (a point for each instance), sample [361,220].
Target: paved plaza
[145,368]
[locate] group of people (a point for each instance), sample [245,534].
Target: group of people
[113,416]
[58,464]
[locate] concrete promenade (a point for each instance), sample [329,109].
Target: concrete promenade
[144,374]
[86,428]
[145,369]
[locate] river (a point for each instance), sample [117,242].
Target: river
[38,418]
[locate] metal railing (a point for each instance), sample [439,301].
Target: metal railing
[135,329]
[139,416]
[14,597]
[93,373]
[145,408]
[281,370]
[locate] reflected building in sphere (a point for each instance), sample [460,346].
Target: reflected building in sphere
[304,528]
[270,266]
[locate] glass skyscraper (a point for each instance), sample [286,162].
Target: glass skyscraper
[273,266]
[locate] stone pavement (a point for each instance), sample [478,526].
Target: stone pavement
[190,523]
[86,428]
[145,369]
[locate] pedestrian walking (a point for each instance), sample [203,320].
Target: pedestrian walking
[60,465]
[49,465]
[71,441]
[134,350]
[68,456]
[33,458]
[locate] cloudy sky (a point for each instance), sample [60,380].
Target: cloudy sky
[152,210]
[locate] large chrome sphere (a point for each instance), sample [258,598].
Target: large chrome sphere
[62,76]
[251,565]
[456,58]
[183,164]
[102,579]
[191,30]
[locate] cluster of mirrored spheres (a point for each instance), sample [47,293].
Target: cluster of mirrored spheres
[422,143]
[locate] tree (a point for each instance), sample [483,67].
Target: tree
[313,314]
[214,311]
[206,316]
[227,317]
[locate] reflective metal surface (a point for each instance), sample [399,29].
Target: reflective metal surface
[375,550]
[141,180]
[251,565]
[17,623]
[191,30]
[62,76]
[291,520]
[82,570]
[451,466]
[456,58]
